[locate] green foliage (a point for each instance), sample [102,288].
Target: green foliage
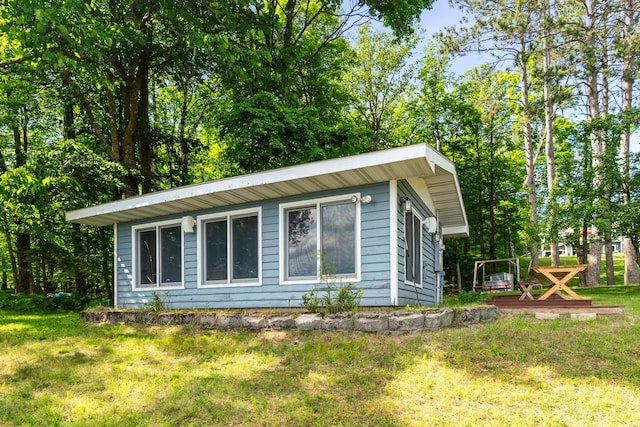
[158,302]
[465,298]
[311,301]
[336,298]
[30,303]
[263,134]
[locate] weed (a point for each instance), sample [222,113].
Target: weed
[158,303]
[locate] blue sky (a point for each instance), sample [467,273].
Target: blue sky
[443,15]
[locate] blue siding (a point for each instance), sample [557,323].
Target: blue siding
[375,261]
[407,292]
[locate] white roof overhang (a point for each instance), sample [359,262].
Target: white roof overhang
[419,161]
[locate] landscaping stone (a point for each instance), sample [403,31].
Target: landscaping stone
[382,322]
[371,322]
[337,322]
[166,319]
[471,315]
[231,321]
[583,316]
[255,322]
[186,319]
[278,321]
[434,319]
[406,321]
[209,320]
[130,317]
[309,322]
[547,316]
[114,317]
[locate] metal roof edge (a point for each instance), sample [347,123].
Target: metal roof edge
[306,170]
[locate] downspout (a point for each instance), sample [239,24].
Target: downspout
[393,242]
[115,265]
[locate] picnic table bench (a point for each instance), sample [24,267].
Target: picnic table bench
[557,277]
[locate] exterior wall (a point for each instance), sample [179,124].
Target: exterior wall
[269,292]
[429,293]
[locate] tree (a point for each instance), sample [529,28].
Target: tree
[380,82]
[507,30]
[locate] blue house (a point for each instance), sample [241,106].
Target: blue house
[377,220]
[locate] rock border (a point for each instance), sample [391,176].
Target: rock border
[405,321]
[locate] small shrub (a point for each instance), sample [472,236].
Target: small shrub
[311,302]
[335,300]
[157,303]
[343,298]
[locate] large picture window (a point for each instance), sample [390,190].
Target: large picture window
[413,248]
[159,256]
[230,249]
[321,237]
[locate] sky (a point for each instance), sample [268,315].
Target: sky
[443,15]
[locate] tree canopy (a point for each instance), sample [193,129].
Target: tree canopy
[110,99]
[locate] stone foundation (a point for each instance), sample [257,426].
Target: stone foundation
[367,321]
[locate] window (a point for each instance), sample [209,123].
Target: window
[159,256]
[413,248]
[230,248]
[321,236]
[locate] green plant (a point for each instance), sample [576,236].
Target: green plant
[337,298]
[311,301]
[465,298]
[157,303]
[341,298]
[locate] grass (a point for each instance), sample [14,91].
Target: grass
[57,371]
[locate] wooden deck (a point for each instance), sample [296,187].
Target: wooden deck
[553,304]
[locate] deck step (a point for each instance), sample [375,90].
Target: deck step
[554,304]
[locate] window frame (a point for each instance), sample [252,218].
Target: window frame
[136,230]
[227,216]
[317,204]
[414,214]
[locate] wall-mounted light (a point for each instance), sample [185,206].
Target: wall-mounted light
[364,199]
[188,223]
[432,224]
[406,204]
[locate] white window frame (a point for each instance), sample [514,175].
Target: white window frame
[135,231]
[415,213]
[202,264]
[317,203]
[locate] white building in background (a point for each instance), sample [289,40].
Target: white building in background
[567,249]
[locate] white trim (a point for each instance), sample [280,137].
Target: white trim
[134,255]
[408,282]
[393,241]
[283,249]
[201,263]
[115,265]
[419,160]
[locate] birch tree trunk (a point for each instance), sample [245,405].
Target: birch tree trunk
[629,18]
[597,150]
[549,150]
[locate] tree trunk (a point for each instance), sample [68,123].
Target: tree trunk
[529,157]
[492,221]
[597,149]
[608,251]
[627,79]
[23,249]
[144,133]
[549,149]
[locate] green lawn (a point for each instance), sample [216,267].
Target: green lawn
[519,371]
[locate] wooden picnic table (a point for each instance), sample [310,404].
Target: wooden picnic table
[558,276]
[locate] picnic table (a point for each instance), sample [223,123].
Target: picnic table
[558,278]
